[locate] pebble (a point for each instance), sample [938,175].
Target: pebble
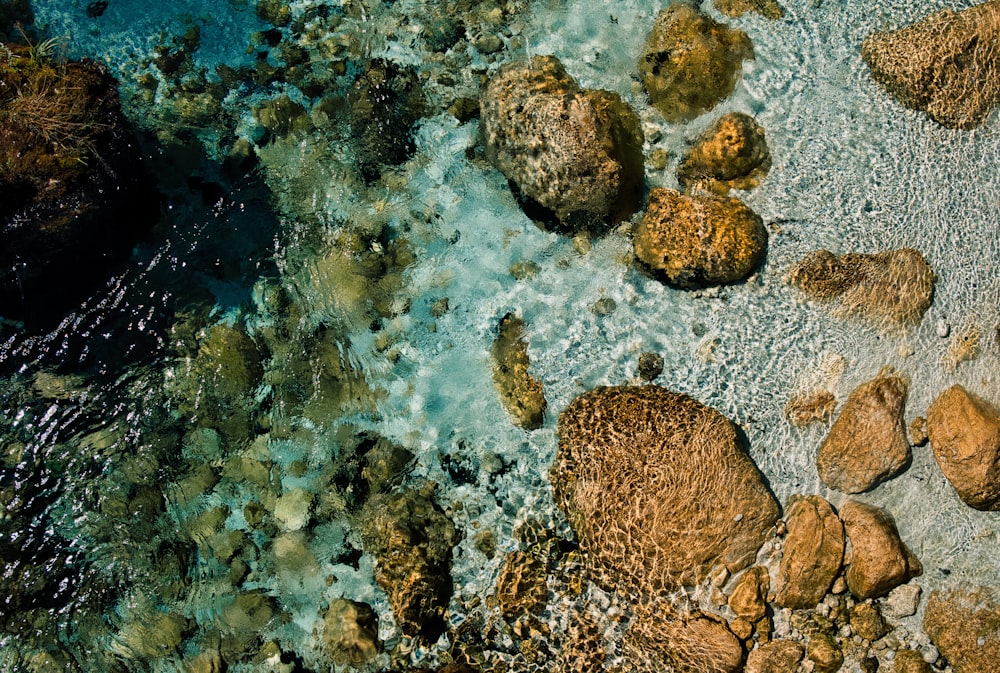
[929,653]
[943,329]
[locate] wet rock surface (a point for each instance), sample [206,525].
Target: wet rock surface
[945,64]
[964,624]
[699,240]
[731,154]
[964,431]
[813,552]
[880,561]
[573,155]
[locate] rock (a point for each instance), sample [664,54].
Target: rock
[694,644]
[892,288]
[880,561]
[75,196]
[281,116]
[777,656]
[658,489]
[867,444]
[813,553]
[731,154]
[573,156]
[815,406]
[964,431]
[691,62]
[650,365]
[917,430]
[521,393]
[823,651]
[867,621]
[964,624]
[910,661]
[749,597]
[350,632]
[699,240]
[945,64]
[521,587]
[903,601]
[769,9]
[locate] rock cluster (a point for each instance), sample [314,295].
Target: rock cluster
[945,64]
[572,155]
[964,431]
[730,154]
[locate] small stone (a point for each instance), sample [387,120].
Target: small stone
[350,632]
[487,44]
[292,510]
[823,651]
[741,628]
[910,661]
[439,308]
[650,365]
[810,407]
[749,597]
[867,621]
[943,329]
[521,393]
[903,601]
[917,430]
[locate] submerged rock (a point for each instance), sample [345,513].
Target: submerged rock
[769,9]
[867,444]
[695,643]
[813,553]
[910,661]
[945,64]
[777,656]
[691,62]
[964,430]
[350,632]
[892,288]
[964,624]
[749,597]
[572,155]
[658,489]
[879,561]
[520,392]
[730,154]
[699,240]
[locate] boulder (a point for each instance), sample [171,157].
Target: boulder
[521,393]
[691,62]
[731,154]
[879,561]
[694,643]
[658,489]
[699,240]
[964,624]
[572,156]
[945,64]
[813,553]
[777,656]
[867,444]
[964,431]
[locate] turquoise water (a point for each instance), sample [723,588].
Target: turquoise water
[211,406]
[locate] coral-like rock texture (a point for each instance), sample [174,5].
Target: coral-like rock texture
[867,444]
[699,240]
[946,64]
[573,156]
[731,154]
[964,624]
[880,561]
[691,62]
[964,430]
[892,288]
[813,552]
[658,489]
[521,393]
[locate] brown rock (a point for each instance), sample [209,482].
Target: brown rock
[730,154]
[823,651]
[699,240]
[813,552]
[867,444]
[867,621]
[769,9]
[880,561]
[945,64]
[658,488]
[892,288]
[574,155]
[778,656]
[695,644]
[520,392]
[691,62]
[965,626]
[965,432]
[918,431]
[749,597]
[910,661]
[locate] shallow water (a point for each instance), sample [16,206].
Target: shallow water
[261,334]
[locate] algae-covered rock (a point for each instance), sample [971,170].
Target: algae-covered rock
[879,559]
[945,64]
[658,489]
[964,624]
[813,552]
[521,393]
[868,443]
[350,632]
[573,156]
[730,154]
[691,62]
[964,430]
[892,288]
[699,240]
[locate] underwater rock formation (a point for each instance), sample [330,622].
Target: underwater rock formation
[867,444]
[964,430]
[350,632]
[658,489]
[964,624]
[945,64]
[691,62]
[879,561]
[521,393]
[699,240]
[813,552]
[74,198]
[731,154]
[891,288]
[572,155]
[910,661]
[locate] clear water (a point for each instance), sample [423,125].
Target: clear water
[107,410]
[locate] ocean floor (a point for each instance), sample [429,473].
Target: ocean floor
[194,440]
